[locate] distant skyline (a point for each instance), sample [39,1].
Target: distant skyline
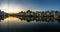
[34,5]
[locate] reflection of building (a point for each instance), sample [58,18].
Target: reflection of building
[28,19]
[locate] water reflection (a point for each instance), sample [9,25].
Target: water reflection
[1,17]
[13,21]
[17,19]
[16,23]
[29,19]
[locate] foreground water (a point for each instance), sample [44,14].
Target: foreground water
[12,23]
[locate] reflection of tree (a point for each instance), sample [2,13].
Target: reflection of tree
[1,17]
[37,19]
[28,19]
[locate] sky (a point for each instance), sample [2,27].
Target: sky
[34,5]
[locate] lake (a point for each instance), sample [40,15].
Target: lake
[28,24]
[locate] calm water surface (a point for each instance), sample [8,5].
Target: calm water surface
[24,23]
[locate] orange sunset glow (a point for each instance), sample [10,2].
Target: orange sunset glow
[10,8]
